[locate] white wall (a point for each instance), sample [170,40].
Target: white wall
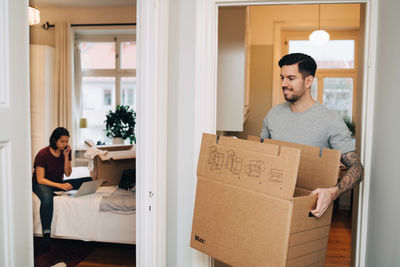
[180,182]
[41,85]
[383,240]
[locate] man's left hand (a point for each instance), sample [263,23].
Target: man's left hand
[325,197]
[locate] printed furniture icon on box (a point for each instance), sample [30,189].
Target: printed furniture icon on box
[252,202]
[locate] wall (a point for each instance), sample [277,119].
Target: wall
[41,63]
[383,238]
[231,68]
[180,173]
[260,88]
[81,15]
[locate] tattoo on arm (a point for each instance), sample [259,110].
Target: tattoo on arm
[353,174]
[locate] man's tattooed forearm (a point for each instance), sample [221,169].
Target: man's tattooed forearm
[353,174]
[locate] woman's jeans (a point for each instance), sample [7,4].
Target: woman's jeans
[45,193]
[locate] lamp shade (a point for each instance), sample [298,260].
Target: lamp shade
[82,123]
[33,15]
[319,37]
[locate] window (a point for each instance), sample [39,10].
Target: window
[335,54]
[338,95]
[336,75]
[108,79]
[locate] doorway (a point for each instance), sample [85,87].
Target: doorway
[107,55]
[335,83]
[364,118]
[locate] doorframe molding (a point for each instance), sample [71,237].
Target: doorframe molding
[152,95]
[206,57]
[4,54]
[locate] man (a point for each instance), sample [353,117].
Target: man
[302,120]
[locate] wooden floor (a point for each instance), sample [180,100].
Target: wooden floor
[338,253]
[84,254]
[110,256]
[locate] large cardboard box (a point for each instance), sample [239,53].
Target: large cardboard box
[109,167]
[252,205]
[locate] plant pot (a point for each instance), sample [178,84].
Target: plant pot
[117,141]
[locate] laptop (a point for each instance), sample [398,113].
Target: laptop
[86,188]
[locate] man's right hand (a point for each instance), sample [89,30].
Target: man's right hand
[65,186]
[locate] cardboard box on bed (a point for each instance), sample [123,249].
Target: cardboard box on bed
[252,202]
[110,166]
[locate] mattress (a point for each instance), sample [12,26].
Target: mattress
[80,218]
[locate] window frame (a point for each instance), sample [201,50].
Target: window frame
[328,73]
[118,73]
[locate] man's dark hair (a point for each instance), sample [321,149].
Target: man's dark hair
[307,65]
[57,133]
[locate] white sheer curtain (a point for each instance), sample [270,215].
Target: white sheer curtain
[64,95]
[77,99]
[62,102]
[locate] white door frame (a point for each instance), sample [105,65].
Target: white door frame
[206,101]
[16,233]
[151,162]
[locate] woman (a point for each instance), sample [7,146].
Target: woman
[50,165]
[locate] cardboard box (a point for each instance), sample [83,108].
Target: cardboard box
[252,202]
[109,167]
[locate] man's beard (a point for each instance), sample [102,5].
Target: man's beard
[293,98]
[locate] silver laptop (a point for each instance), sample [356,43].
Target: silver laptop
[85,189]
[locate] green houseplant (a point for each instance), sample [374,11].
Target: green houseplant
[351,125]
[121,123]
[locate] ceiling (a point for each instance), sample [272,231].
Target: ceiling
[81,3]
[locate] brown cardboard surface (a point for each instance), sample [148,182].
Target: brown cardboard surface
[307,248]
[308,235]
[109,167]
[117,152]
[227,223]
[273,172]
[248,210]
[312,259]
[315,170]
[301,220]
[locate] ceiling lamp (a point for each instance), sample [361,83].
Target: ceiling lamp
[319,37]
[33,15]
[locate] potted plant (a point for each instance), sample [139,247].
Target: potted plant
[120,124]
[351,125]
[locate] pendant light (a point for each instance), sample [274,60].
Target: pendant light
[33,15]
[319,37]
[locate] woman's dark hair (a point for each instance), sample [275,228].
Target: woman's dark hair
[307,65]
[57,133]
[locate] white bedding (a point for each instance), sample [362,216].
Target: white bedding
[80,218]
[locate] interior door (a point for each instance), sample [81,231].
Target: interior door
[16,242]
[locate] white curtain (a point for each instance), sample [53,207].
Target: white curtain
[64,95]
[62,102]
[77,98]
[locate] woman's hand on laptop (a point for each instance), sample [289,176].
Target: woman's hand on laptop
[65,186]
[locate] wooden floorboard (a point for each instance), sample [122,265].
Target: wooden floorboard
[84,254]
[338,253]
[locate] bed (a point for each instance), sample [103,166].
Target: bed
[80,218]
